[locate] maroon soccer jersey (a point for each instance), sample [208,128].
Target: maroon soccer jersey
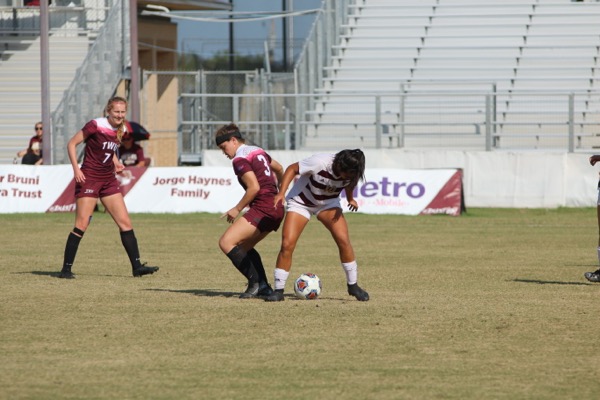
[100,146]
[253,158]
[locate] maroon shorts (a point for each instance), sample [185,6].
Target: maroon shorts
[97,189]
[266,220]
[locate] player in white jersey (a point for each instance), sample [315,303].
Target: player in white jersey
[595,276]
[316,192]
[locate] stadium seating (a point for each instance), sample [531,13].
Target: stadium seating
[400,48]
[20,87]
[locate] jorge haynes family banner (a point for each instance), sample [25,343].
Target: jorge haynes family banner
[30,189]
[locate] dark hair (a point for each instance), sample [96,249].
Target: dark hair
[226,132]
[351,162]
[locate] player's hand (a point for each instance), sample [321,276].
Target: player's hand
[278,200]
[119,167]
[594,159]
[353,205]
[231,215]
[79,176]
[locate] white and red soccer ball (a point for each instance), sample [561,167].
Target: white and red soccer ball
[307,286]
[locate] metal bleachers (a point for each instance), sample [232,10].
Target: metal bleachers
[508,48]
[20,81]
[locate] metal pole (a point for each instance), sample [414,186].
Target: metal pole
[231,43]
[488,122]
[401,116]
[284,29]
[134,87]
[571,123]
[47,146]
[378,122]
[288,127]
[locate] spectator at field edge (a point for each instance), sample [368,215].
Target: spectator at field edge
[131,154]
[595,276]
[35,156]
[259,175]
[316,192]
[29,155]
[95,179]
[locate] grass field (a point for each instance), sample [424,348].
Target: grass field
[489,305]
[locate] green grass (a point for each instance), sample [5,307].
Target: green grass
[492,304]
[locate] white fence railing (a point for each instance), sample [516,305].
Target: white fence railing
[462,120]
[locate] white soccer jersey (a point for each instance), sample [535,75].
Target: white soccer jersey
[317,185]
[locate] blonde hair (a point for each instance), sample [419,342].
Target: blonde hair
[109,106]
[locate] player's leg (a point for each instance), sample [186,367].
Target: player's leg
[234,242]
[293,226]
[264,288]
[333,219]
[83,215]
[595,276]
[115,206]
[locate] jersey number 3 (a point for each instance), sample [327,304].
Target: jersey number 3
[266,164]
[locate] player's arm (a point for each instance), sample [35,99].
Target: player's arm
[72,152]
[352,204]
[278,170]
[119,167]
[594,159]
[252,188]
[288,176]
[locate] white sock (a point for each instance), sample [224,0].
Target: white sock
[281,276]
[351,270]
[598,255]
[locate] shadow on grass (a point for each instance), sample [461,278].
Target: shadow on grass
[55,274]
[540,282]
[200,292]
[219,293]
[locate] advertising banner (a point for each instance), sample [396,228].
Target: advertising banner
[410,192]
[25,188]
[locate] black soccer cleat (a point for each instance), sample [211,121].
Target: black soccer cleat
[277,295]
[143,270]
[356,291]
[251,291]
[593,276]
[66,274]
[264,289]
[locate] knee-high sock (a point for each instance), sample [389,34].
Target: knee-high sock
[243,263]
[71,251]
[131,247]
[258,265]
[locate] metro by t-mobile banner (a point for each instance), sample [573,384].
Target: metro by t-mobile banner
[215,189]
[409,192]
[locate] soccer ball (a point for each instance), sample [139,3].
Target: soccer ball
[307,286]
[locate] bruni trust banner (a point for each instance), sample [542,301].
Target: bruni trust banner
[26,188]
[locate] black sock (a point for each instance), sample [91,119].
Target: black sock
[258,265]
[70,251]
[244,264]
[131,247]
